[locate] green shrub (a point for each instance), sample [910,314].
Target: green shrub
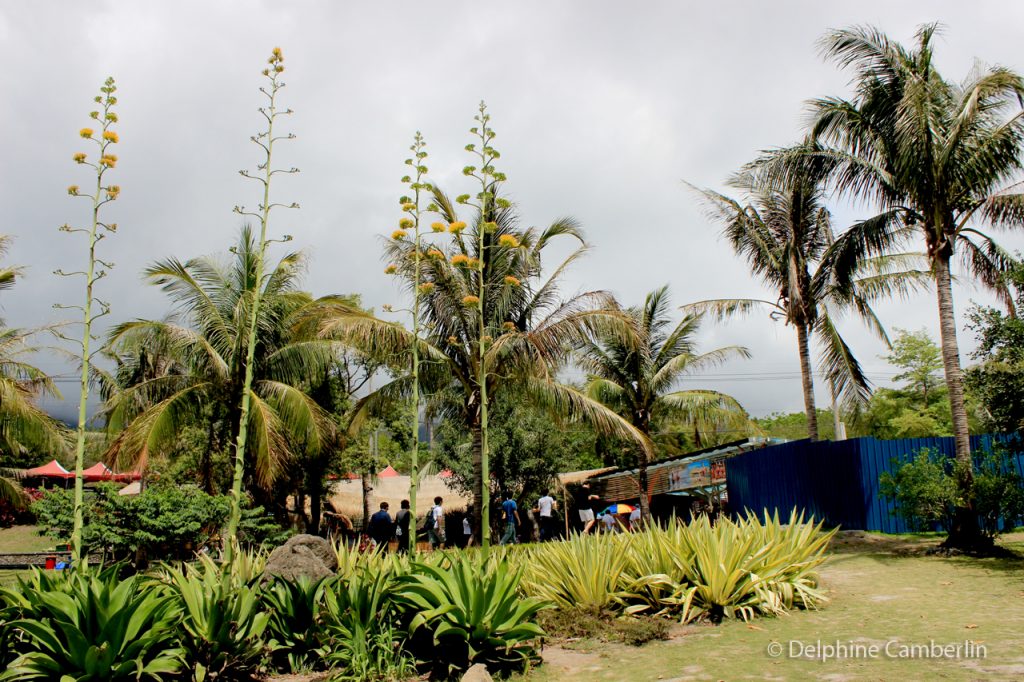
[583,572]
[223,622]
[295,632]
[473,612]
[923,490]
[732,569]
[364,642]
[95,627]
[170,522]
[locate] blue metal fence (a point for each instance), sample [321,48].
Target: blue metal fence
[835,481]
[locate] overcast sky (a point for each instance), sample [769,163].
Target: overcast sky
[602,110]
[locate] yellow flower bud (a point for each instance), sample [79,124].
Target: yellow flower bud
[108,160]
[437,227]
[512,281]
[434,253]
[73,190]
[508,326]
[110,136]
[399,234]
[460,259]
[456,227]
[405,223]
[408,206]
[86,133]
[470,300]
[508,240]
[390,270]
[426,287]
[79,157]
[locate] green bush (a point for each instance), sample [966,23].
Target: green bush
[295,632]
[95,628]
[365,640]
[473,612]
[169,522]
[925,490]
[223,622]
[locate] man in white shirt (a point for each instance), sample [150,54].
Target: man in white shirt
[545,508]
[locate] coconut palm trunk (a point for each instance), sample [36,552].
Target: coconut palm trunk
[807,381]
[951,358]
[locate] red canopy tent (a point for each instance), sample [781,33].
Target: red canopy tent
[51,469]
[387,472]
[98,472]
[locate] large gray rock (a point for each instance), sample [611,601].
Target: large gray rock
[306,555]
[477,673]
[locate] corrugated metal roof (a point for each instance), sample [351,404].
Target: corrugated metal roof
[685,472]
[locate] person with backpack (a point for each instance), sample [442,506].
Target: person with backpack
[402,527]
[434,524]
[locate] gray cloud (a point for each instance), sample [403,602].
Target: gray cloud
[602,109]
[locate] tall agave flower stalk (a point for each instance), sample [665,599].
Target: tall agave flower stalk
[485,203]
[412,208]
[263,174]
[102,193]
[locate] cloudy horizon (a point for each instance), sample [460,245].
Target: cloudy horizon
[603,112]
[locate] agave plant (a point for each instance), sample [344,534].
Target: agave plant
[473,611]
[95,627]
[223,623]
[584,572]
[360,613]
[295,630]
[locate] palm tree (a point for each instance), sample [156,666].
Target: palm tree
[528,330]
[639,378]
[939,160]
[22,424]
[783,233]
[188,369]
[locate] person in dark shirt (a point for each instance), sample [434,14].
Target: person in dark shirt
[402,519]
[586,502]
[381,528]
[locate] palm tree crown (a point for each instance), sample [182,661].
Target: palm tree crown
[639,378]
[188,369]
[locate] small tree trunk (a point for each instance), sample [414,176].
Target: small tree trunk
[808,382]
[366,500]
[316,494]
[965,532]
[645,511]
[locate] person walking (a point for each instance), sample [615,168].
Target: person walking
[435,524]
[511,512]
[545,510]
[467,527]
[402,527]
[585,503]
[381,528]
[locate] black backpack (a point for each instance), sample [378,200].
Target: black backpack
[428,523]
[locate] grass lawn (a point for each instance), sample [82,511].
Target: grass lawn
[882,589]
[24,539]
[21,539]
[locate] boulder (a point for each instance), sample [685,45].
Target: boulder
[477,673]
[306,555]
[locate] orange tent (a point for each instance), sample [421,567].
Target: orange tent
[387,472]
